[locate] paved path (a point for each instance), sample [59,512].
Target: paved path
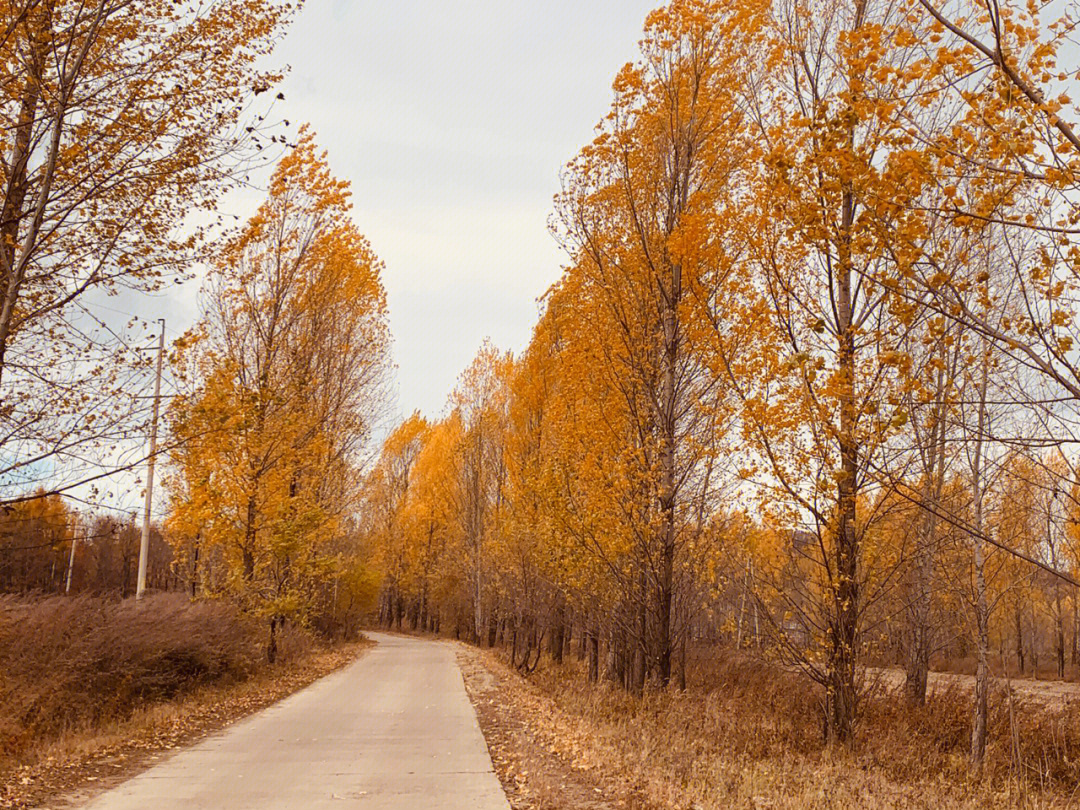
[393,730]
[1053,694]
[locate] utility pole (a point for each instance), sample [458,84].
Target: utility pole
[71,565]
[144,546]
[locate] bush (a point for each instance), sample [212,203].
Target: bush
[73,663]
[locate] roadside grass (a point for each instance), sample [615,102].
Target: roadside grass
[92,689]
[747,735]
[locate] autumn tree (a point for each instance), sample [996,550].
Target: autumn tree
[123,124]
[387,494]
[635,216]
[288,364]
[479,403]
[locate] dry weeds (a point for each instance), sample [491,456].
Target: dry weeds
[749,736]
[91,691]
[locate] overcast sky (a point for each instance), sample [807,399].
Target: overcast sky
[452,120]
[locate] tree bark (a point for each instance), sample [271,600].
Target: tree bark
[1019,638]
[982,611]
[843,621]
[592,645]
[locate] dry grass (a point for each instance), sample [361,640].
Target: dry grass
[73,666]
[76,766]
[746,735]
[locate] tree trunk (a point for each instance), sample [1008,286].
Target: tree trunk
[982,668]
[271,647]
[682,662]
[982,611]
[843,621]
[637,677]
[933,484]
[592,646]
[13,214]
[1076,627]
[613,671]
[1060,617]
[558,632]
[1019,638]
[195,567]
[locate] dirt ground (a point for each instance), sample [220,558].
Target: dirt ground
[520,727]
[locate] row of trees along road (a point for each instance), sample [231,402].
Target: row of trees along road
[287,368]
[809,380]
[283,380]
[124,124]
[48,547]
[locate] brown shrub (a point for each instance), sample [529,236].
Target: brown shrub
[73,663]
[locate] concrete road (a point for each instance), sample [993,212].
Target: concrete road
[393,730]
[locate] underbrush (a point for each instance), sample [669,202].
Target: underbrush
[747,734]
[76,664]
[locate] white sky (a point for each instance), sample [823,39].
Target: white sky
[452,120]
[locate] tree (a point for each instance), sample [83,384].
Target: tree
[635,214]
[123,123]
[288,362]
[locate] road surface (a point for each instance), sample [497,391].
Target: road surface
[394,730]
[1053,694]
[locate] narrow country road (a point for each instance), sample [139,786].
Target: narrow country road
[395,730]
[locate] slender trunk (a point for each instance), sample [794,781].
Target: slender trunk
[843,621]
[918,668]
[558,633]
[195,567]
[757,624]
[592,646]
[271,647]
[682,662]
[1060,616]
[742,606]
[613,670]
[13,213]
[477,538]
[637,685]
[982,612]
[668,494]
[1033,644]
[249,541]
[982,667]
[1076,627]
[1019,638]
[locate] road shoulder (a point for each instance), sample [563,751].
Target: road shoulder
[522,728]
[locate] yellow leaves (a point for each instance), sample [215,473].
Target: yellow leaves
[905,38]
[290,352]
[1060,317]
[938,280]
